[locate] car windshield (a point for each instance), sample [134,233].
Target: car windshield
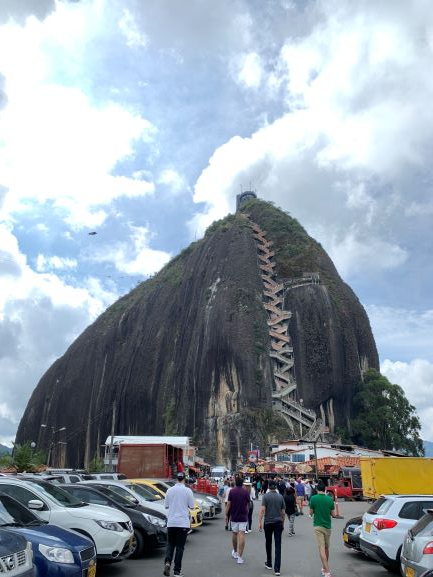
[123,492]
[152,490]
[13,513]
[119,498]
[59,495]
[162,487]
[380,506]
[143,492]
[424,527]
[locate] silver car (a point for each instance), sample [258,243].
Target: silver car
[417,553]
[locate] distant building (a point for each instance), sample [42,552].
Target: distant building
[301,452]
[244,197]
[112,446]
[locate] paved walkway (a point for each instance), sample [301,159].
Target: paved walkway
[207,553]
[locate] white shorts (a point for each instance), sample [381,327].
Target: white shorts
[236,527]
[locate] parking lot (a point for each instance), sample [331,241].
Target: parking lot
[208,553]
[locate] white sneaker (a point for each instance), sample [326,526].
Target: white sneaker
[240,561]
[234,554]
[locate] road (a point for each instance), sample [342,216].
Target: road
[208,553]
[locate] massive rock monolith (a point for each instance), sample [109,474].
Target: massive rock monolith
[188,351]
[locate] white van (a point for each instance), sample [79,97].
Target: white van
[110,529]
[219,472]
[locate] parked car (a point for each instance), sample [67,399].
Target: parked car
[15,555]
[386,523]
[110,530]
[417,553]
[104,477]
[123,488]
[150,530]
[209,504]
[196,514]
[56,551]
[351,533]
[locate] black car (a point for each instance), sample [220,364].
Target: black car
[351,533]
[15,555]
[150,527]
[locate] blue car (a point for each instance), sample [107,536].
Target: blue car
[57,552]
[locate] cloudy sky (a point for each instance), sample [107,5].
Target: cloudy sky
[141,121]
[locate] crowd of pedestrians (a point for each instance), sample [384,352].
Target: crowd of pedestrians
[280,499]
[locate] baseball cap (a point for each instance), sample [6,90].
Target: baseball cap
[180,476]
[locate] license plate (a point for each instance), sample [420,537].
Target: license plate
[410,572]
[91,571]
[367,527]
[346,537]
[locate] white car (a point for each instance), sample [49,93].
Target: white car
[110,529]
[386,523]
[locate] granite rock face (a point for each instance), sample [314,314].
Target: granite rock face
[187,352]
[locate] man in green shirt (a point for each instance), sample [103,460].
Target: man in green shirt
[323,508]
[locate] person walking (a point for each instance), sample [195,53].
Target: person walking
[281,486]
[300,494]
[307,489]
[290,502]
[323,508]
[249,488]
[221,489]
[179,499]
[258,487]
[272,512]
[227,489]
[237,511]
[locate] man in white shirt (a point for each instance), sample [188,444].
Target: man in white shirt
[179,499]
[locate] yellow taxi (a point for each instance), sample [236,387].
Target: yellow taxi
[157,488]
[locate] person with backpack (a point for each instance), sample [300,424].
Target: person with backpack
[290,502]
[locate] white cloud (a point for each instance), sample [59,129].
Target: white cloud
[416,379]
[250,70]
[40,315]
[69,144]
[175,181]
[129,28]
[357,251]
[403,333]
[134,257]
[356,128]
[44,263]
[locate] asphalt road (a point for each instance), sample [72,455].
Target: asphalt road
[208,553]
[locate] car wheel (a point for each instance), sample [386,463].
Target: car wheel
[137,545]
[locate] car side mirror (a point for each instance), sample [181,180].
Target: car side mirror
[35,504]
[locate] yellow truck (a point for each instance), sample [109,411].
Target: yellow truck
[396,475]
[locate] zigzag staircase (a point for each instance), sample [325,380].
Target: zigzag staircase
[298,418]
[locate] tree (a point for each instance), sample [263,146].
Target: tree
[96,465]
[384,418]
[24,458]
